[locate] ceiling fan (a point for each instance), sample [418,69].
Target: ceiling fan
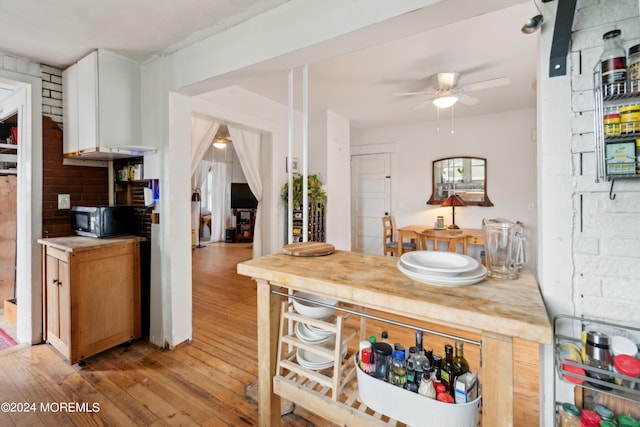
[222,137]
[446,92]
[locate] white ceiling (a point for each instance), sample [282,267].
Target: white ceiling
[358,85]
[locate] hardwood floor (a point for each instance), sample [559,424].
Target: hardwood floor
[202,383]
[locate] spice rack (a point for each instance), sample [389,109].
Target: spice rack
[334,379]
[615,142]
[577,325]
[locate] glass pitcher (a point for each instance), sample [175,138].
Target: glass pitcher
[504,243]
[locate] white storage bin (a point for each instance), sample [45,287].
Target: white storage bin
[412,408]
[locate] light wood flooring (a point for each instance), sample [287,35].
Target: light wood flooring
[202,383]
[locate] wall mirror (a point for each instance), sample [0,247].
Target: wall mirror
[464,176]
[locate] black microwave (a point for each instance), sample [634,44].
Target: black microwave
[102,221]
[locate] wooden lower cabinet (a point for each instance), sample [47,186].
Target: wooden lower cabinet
[91,294]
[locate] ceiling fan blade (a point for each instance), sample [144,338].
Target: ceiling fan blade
[466,99]
[487,84]
[412,93]
[422,104]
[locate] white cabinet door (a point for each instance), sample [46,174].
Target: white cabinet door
[88,138]
[70,110]
[119,101]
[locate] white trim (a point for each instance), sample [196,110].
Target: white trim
[27,99]
[388,147]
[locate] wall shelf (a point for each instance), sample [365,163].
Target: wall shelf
[615,143]
[568,329]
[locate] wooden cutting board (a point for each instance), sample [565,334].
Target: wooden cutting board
[308,249]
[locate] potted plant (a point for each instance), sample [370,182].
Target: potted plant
[316,193]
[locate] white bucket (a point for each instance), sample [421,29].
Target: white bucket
[412,408]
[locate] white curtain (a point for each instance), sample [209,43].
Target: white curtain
[218,200]
[203,129]
[248,148]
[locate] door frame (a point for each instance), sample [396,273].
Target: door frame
[27,102]
[390,148]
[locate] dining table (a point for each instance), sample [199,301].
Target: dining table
[464,236]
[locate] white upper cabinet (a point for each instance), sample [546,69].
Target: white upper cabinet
[101,107]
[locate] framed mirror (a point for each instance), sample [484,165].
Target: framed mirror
[464,176]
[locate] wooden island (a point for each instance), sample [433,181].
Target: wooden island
[503,313]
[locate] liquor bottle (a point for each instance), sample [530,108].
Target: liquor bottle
[411,367]
[411,383]
[449,370]
[385,336]
[437,367]
[459,359]
[422,364]
[398,371]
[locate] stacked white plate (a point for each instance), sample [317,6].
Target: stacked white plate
[310,360]
[441,268]
[311,334]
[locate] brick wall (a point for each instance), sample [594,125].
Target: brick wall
[51,93]
[86,185]
[606,236]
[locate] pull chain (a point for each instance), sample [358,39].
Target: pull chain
[452,131]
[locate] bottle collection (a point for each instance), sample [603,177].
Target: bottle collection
[600,416]
[620,80]
[620,75]
[419,370]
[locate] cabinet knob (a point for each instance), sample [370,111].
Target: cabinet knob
[55,281]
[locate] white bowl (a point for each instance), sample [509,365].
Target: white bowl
[312,310]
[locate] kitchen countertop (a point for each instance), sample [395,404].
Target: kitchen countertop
[81,243]
[508,307]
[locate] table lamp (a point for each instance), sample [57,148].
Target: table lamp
[453,201]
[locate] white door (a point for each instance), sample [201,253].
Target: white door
[370,200]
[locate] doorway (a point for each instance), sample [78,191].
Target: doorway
[23,99]
[370,200]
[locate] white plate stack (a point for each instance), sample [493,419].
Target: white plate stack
[441,268]
[314,335]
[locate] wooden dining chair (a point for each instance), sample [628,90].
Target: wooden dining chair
[421,241]
[389,242]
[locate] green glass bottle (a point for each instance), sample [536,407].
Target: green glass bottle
[459,359]
[449,370]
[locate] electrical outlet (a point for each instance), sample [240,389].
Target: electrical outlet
[64,201]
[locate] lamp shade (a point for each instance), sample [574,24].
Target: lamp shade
[445,101]
[453,200]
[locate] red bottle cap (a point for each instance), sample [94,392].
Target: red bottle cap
[590,418]
[627,365]
[575,370]
[366,355]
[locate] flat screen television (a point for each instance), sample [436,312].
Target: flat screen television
[242,197]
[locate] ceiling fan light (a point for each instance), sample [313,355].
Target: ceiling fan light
[445,101]
[219,145]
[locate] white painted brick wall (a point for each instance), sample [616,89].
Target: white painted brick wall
[606,233]
[52,92]
[51,82]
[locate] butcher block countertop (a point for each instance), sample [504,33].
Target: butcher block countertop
[80,243]
[508,307]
